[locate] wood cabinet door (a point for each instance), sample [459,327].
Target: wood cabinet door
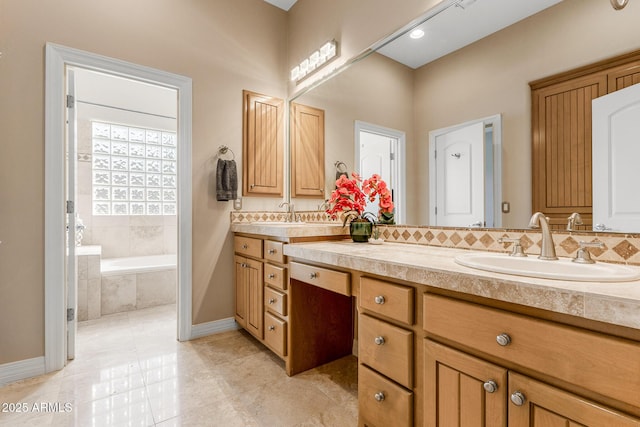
[535,404]
[623,76]
[307,151]
[263,142]
[561,152]
[461,390]
[249,311]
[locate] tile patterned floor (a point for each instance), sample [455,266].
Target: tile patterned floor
[130,371]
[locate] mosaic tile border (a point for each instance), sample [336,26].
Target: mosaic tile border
[618,248]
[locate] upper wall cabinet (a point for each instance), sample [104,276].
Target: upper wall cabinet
[562,135]
[262,145]
[307,151]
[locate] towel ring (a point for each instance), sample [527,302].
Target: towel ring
[223,149]
[339,165]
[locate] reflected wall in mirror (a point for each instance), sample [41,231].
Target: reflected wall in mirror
[489,76]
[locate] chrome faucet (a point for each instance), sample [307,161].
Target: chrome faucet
[573,220]
[548,252]
[291,213]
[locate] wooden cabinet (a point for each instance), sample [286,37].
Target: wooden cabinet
[462,390]
[307,151]
[561,135]
[561,356]
[249,295]
[535,404]
[262,145]
[386,353]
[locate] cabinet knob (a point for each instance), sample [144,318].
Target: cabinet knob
[503,339]
[272,328]
[313,275]
[245,246]
[272,251]
[379,299]
[272,300]
[518,398]
[271,276]
[379,396]
[243,265]
[490,386]
[379,340]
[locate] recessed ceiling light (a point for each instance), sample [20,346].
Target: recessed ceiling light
[416,34]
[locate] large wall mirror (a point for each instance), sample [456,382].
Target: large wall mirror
[462,77]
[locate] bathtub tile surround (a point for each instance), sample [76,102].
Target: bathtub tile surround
[118,293]
[619,248]
[88,261]
[155,288]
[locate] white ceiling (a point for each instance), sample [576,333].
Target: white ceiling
[282,4]
[459,26]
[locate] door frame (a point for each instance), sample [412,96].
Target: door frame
[496,122]
[399,173]
[57,58]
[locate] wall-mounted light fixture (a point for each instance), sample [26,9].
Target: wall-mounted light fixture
[619,4]
[317,59]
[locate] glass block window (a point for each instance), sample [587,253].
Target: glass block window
[134,170]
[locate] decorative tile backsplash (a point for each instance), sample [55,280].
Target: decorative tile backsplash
[618,247]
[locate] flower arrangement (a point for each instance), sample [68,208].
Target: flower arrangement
[350,198]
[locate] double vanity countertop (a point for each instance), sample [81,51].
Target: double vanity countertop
[616,303]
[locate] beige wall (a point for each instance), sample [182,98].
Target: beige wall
[224,46]
[492,76]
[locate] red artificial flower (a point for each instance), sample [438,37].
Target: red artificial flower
[350,198]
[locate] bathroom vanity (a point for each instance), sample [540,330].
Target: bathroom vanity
[439,343]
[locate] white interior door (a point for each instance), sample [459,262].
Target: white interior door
[376,156]
[459,175]
[616,126]
[71,266]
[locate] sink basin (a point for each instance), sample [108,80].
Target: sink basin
[562,269]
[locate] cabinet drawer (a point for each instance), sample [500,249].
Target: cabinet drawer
[335,281]
[387,299]
[275,334]
[605,365]
[273,251]
[275,276]
[386,348]
[248,246]
[382,402]
[275,301]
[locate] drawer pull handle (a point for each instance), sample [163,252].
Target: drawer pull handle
[313,275]
[379,340]
[245,246]
[490,386]
[271,276]
[518,398]
[379,299]
[272,251]
[272,300]
[503,339]
[272,328]
[379,396]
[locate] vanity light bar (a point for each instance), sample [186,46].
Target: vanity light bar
[317,59]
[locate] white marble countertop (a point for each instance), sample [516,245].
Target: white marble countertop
[616,303]
[290,229]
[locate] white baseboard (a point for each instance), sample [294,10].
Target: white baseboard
[15,371]
[210,328]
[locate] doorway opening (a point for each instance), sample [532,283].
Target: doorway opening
[160,154]
[381,151]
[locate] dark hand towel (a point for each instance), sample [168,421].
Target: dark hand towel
[226,180]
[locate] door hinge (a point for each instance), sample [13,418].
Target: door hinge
[71,314]
[435,154]
[70,101]
[392,156]
[436,210]
[70,206]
